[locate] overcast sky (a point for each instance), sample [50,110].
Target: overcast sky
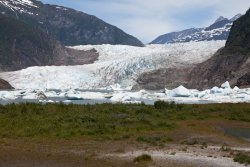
[147,19]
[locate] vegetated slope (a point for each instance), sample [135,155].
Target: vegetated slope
[231,63]
[5,85]
[219,30]
[22,46]
[69,26]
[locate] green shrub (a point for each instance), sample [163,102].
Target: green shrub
[190,142]
[242,158]
[164,105]
[143,158]
[153,140]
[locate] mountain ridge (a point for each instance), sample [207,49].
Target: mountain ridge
[219,30]
[69,26]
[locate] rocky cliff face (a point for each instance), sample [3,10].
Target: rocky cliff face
[22,46]
[68,26]
[4,85]
[231,63]
[163,78]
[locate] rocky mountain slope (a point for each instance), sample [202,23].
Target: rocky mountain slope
[68,26]
[219,30]
[231,63]
[162,78]
[22,46]
[4,85]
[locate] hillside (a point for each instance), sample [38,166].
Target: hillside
[22,46]
[231,63]
[68,26]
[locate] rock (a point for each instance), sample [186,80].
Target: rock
[4,85]
[163,78]
[41,96]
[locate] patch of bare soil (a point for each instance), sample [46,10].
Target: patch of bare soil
[91,153]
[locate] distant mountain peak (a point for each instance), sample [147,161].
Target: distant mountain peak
[14,3]
[236,17]
[221,18]
[219,30]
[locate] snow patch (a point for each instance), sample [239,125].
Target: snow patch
[21,6]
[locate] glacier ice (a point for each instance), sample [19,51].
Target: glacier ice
[181,91]
[226,85]
[112,76]
[179,94]
[117,64]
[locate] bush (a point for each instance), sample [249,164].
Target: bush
[242,158]
[143,158]
[153,140]
[164,104]
[190,142]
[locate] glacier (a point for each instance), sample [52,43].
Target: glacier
[117,64]
[111,78]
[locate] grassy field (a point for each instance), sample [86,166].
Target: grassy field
[110,121]
[79,135]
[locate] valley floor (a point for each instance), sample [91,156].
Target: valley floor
[40,153]
[107,135]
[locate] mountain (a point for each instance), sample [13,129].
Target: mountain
[68,26]
[23,46]
[219,30]
[232,63]
[4,85]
